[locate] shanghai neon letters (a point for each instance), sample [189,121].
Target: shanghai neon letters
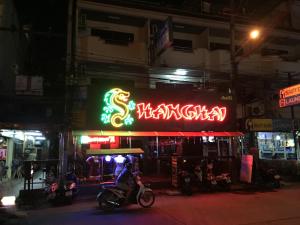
[180,112]
[118,110]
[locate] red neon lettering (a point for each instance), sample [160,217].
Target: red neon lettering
[144,111]
[187,113]
[161,112]
[201,112]
[173,112]
[177,112]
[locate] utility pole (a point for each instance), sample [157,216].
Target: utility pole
[293,119]
[234,63]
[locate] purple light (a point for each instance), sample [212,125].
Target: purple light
[107,158]
[119,159]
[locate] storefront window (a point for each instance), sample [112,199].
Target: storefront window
[276,145]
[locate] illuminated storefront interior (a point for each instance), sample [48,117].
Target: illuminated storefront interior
[276,145]
[17,146]
[153,125]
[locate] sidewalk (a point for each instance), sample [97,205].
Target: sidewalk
[238,187]
[12,187]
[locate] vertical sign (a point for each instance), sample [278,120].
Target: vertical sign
[164,37]
[246,168]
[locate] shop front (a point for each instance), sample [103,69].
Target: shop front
[17,146]
[273,138]
[151,126]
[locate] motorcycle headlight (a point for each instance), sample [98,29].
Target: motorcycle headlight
[8,200]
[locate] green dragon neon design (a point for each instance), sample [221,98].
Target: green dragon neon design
[117,108]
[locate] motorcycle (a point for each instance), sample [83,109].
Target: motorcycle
[185,179]
[111,197]
[224,181]
[63,192]
[270,177]
[211,181]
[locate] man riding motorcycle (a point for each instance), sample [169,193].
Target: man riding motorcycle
[125,180]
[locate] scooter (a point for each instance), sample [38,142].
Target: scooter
[111,197]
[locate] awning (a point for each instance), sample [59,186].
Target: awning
[155,133]
[114,151]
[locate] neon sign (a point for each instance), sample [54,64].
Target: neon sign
[118,108]
[96,139]
[290,91]
[180,112]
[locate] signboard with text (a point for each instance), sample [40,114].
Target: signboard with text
[125,108]
[284,125]
[289,96]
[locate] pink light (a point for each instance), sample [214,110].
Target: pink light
[181,112]
[97,139]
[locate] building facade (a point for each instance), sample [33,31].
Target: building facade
[158,48]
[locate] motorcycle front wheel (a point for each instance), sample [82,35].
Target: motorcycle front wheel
[146,199]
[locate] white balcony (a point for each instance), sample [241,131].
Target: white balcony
[95,49]
[219,61]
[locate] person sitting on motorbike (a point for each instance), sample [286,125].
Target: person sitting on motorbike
[125,179]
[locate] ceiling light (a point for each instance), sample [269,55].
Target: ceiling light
[181,72]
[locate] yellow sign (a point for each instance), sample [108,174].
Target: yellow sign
[259,124]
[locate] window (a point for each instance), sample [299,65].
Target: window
[183,45]
[113,37]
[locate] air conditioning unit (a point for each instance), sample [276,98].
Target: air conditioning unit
[257,110]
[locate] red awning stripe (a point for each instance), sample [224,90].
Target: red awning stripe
[155,133]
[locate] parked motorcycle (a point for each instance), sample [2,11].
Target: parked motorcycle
[210,180]
[224,181]
[185,183]
[63,192]
[270,178]
[111,197]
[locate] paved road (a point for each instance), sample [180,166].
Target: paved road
[280,207]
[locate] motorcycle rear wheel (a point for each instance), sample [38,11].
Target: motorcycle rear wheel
[146,199]
[276,184]
[104,204]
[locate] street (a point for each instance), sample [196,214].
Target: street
[280,207]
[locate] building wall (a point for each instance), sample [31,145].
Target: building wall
[9,48]
[201,56]
[96,49]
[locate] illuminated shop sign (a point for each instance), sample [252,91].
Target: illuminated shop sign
[97,139]
[289,101]
[289,96]
[290,91]
[119,110]
[180,112]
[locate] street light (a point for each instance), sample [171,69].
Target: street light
[254,34]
